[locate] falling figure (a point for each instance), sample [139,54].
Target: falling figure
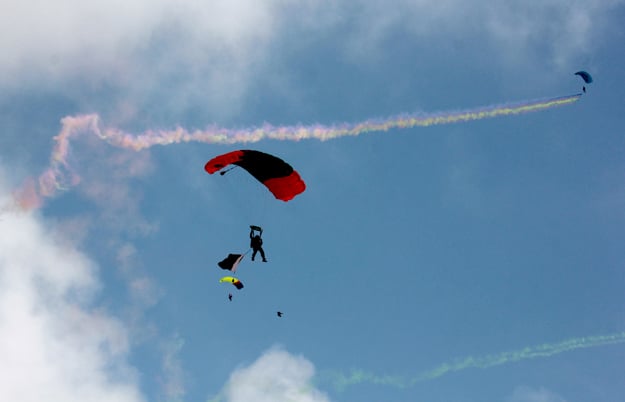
[279,313]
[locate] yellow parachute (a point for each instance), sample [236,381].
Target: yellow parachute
[231,279]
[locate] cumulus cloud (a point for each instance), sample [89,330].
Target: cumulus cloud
[54,342]
[276,376]
[527,394]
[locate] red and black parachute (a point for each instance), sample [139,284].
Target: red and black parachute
[277,175]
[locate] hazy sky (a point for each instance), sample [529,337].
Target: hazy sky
[473,261]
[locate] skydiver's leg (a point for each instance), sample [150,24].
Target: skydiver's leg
[262,254]
[254,253]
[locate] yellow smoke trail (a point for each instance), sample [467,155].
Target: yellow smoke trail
[341,380]
[60,176]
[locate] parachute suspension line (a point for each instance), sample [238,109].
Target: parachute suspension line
[261,215]
[238,195]
[248,201]
[223,172]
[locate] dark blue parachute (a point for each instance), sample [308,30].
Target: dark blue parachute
[585,76]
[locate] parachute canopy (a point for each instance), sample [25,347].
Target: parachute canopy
[230,262]
[231,279]
[277,175]
[585,76]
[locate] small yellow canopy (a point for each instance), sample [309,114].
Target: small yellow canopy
[231,279]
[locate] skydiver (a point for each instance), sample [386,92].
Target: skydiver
[256,242]
[584,89]
[279,313]
[230,296]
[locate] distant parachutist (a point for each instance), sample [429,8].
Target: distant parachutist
[586,77]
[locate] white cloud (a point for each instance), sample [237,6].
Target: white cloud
[555,30]
[527,394]
[173,382]
[55,345]
[276,376]
[181,52]
[173,50]
[559,29]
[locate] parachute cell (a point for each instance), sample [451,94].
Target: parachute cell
[277,175]
[231,279]
[585,76]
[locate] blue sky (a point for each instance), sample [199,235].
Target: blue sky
[410,250]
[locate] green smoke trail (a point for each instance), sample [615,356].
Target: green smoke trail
[341,380]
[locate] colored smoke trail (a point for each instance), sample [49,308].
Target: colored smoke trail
[59,174]
[341,380]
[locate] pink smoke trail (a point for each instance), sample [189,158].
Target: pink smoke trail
[59,175]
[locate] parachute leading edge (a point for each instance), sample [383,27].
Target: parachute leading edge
[277,175]
[231,279]
[585,76]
